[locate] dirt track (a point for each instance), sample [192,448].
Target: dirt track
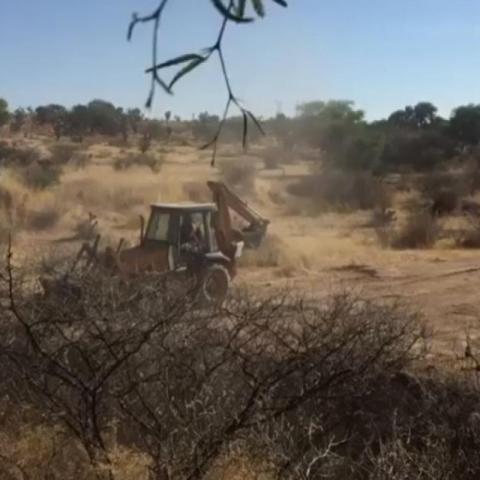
[444,290]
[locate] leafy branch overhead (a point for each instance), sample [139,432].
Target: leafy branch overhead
[237,11]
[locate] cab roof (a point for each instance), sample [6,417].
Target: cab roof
[185,207]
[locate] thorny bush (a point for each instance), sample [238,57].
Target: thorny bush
[310,389]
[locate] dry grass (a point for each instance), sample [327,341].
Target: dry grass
[239,174]
[63,153]
[197,192]
[141,160]
[118,192]
[273,252]
[41,450]
[86,228]
[24,209]
[273,157]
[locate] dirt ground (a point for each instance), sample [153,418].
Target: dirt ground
[313,255]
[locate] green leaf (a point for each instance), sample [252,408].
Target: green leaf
[188,68]
[258,7]
[148,103]
[227,13]
[241,8]
[177,60]
[282,3]
[245,130]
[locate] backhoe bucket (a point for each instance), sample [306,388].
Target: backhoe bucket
[254,235]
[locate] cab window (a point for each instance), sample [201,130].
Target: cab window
[158,228]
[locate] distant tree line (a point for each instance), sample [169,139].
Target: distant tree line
[414,138]
[98,117]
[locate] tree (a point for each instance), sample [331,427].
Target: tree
[78,120]
[104,118]
[465,124]
[54,115]
[281,126]
[425,114]
[310,109]
[331,111]
[422,115]
[168,115]
[50,114]
[4,113]
[134,117]
[400,118]
[18,119]
[326,125]
[420,150]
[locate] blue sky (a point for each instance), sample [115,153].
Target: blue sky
[383,54]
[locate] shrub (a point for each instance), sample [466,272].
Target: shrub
[43,219]
[443,191]
[382,221]
[39,176]
[14,156]
[266,374]
[126,377]
[62,153]
[145,143]
[420,230]
[342,190]
[408,149]
[469,237]
[5,151]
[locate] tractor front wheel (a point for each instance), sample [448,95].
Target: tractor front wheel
[214,285]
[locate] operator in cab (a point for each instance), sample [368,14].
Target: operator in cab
[191,238]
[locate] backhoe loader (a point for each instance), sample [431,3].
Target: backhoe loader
[195,240]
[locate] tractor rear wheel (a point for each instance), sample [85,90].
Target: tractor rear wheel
[214,286]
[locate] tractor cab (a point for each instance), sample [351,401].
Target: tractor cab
[177,237]
[182,229]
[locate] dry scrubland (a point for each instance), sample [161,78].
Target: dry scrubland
[312,384]
[327,229]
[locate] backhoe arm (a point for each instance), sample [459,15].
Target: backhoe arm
[225,199]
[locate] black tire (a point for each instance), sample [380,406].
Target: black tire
[214,285]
